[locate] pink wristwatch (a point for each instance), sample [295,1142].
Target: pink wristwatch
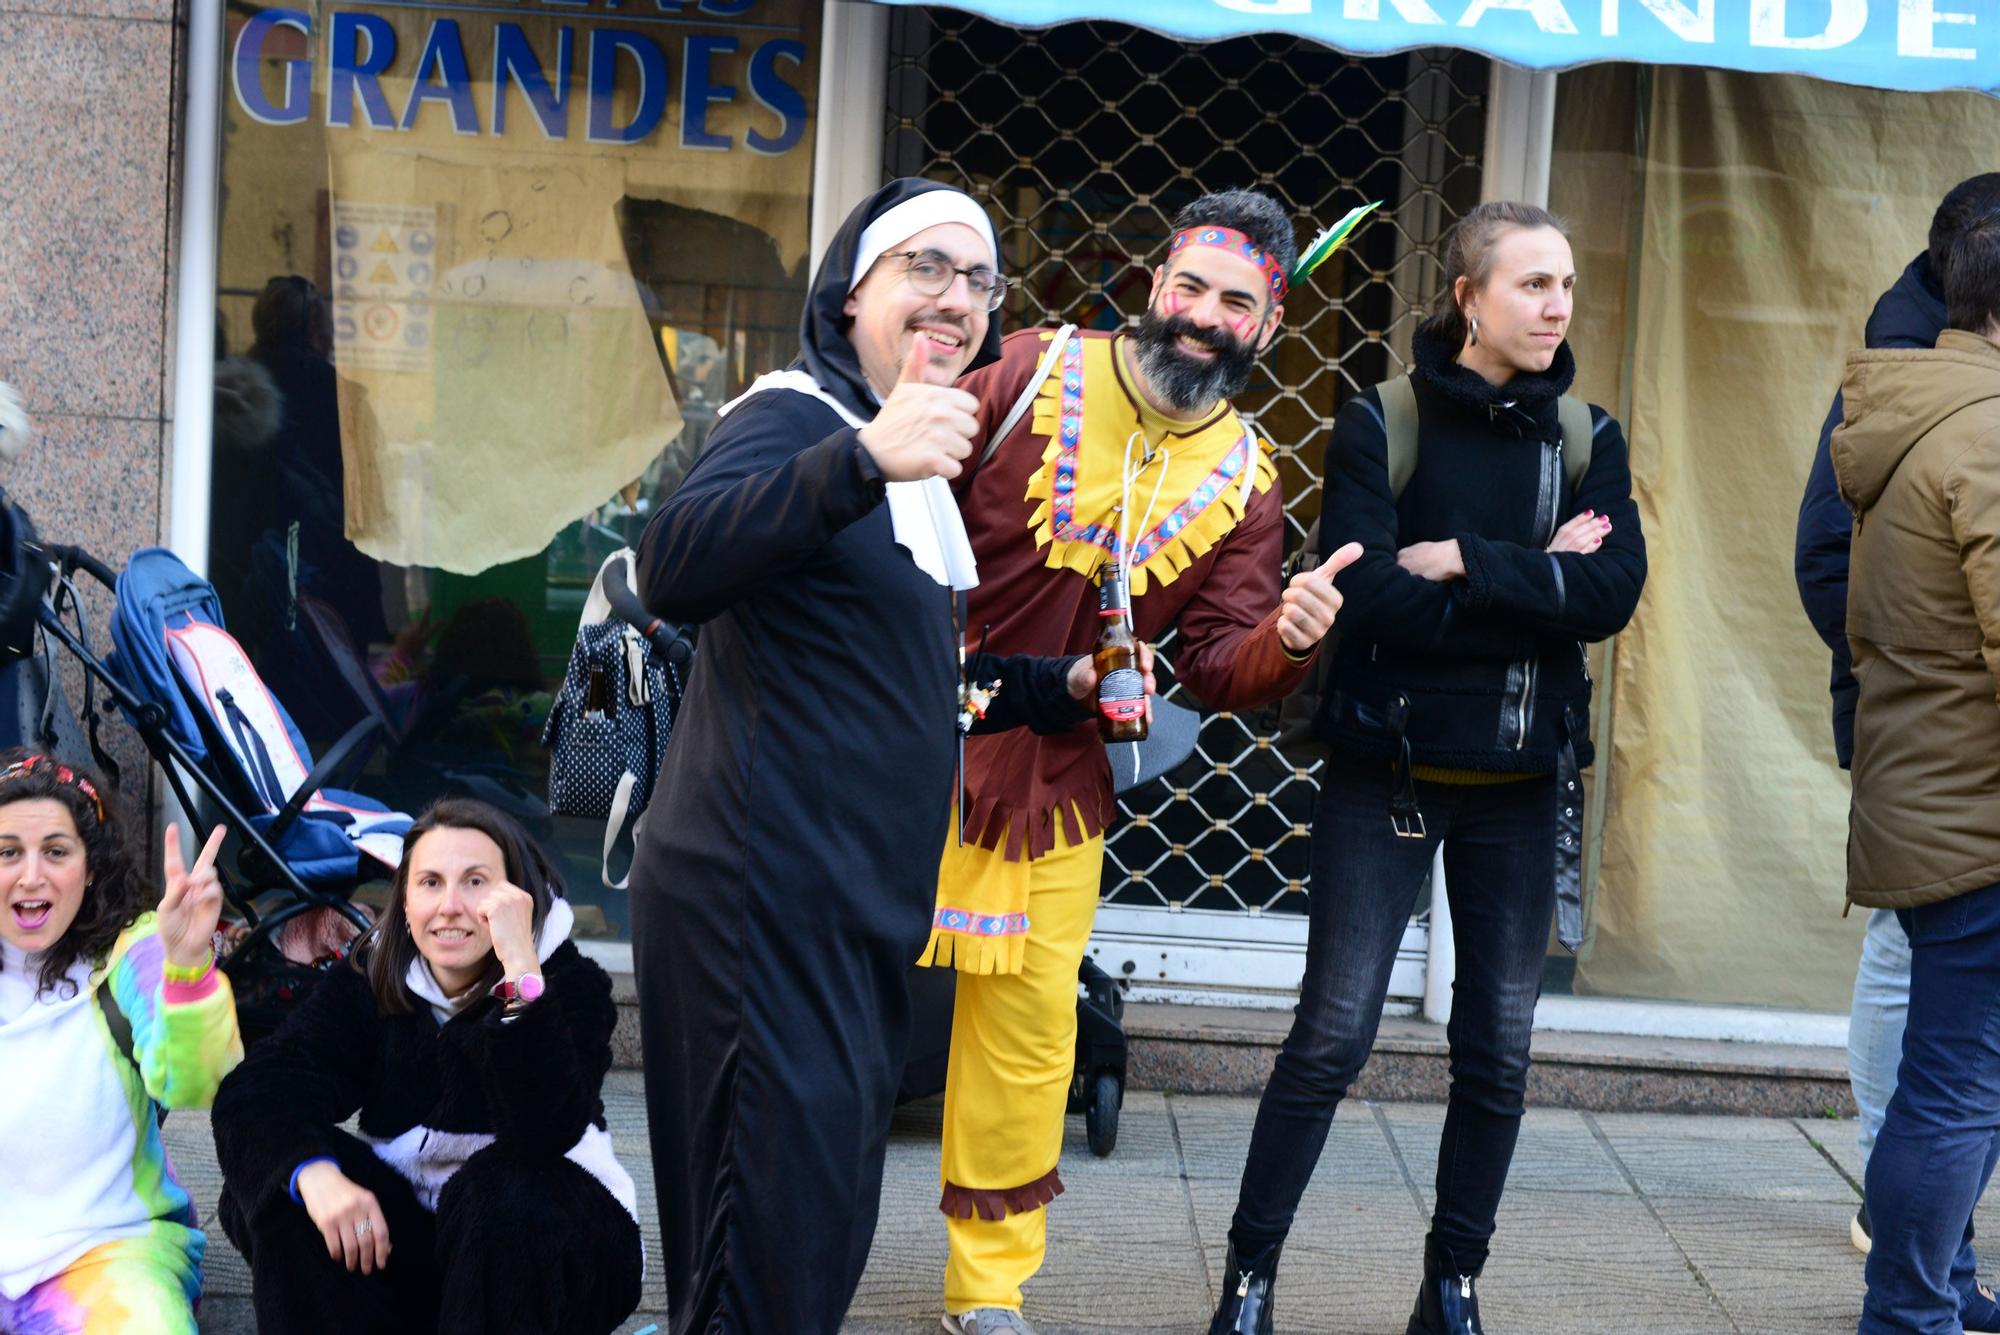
[522,990]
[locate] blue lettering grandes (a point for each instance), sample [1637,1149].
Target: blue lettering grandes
[348,74]
[515,60]
[605,44]
[770,88]
[697,91]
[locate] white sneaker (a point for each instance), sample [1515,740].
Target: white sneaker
[987,1321]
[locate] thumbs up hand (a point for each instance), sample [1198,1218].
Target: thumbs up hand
[1310,603]
[925,427]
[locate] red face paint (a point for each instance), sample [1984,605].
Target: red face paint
[1173,303]
[1242,325]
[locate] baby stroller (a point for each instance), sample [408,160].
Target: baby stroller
[231,754]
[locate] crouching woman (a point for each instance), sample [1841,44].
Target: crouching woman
[472,1039]
[109,1011]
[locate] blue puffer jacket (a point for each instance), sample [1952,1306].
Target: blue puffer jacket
[1909,315]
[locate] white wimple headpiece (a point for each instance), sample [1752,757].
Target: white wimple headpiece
[915,214]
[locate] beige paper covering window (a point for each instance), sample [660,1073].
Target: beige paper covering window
[1733,261]
[543,394]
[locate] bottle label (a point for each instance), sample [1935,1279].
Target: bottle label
[1121,695]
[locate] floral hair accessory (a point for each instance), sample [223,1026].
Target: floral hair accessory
[61,773]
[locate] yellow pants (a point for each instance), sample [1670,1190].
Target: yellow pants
[1013,1053]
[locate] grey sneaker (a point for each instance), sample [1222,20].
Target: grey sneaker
[988,1321]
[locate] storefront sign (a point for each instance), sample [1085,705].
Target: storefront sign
[626,69]
[1919,45]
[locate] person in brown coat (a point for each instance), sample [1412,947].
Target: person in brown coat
[1918,460]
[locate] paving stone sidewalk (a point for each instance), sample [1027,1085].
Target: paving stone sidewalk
[1612,1223]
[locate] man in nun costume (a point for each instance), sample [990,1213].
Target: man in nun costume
[784,880]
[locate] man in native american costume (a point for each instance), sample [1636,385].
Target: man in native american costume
[1098,449]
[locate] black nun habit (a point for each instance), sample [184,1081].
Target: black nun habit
[785,879]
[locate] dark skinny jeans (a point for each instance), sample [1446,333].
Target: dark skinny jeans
[1499,860]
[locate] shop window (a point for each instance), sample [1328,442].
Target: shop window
[486,274]
[1732,232]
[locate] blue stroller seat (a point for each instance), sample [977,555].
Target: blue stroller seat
[171,649]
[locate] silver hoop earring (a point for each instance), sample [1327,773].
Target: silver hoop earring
[1474,340]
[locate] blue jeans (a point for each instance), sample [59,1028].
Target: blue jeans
[1499,858]
[1875,1025]
[1938,1142]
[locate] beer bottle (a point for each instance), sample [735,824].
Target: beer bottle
[1121,688]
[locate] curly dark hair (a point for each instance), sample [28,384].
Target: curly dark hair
[115,891]
[384,953]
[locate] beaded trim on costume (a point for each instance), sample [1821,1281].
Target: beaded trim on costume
[981,924]
[1064,490]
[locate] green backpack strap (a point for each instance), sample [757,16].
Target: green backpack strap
[1577,435]
[1399,425]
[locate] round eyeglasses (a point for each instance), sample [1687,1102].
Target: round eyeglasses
[932,273]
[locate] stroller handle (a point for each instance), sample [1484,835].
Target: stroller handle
[75,558]
[669,639]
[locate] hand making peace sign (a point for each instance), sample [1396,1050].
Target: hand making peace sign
[192,902]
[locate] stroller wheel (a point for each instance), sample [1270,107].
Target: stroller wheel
[1100,1113]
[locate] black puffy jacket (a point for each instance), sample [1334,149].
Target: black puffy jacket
[1492,665]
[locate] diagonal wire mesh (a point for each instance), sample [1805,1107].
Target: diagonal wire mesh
[1084,140]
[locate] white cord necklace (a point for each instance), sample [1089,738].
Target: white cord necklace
[1128,479]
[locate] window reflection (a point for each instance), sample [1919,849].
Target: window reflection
[468,337]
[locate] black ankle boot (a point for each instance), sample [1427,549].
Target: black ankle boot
[1447,1304]
[1246,1293]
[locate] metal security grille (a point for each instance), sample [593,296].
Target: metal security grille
[1084,140]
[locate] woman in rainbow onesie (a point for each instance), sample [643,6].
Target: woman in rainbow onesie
[109,1012]
[1126,447]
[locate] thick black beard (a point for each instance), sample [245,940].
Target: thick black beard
[1188,385]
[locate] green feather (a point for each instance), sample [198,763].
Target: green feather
[1327,242]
